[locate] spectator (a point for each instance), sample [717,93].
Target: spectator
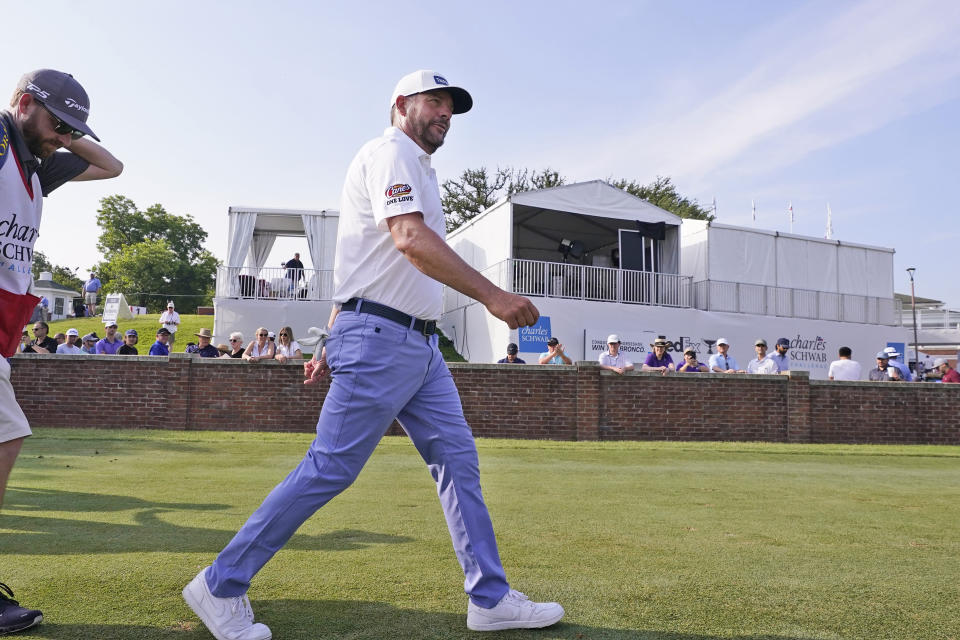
[721,361]
[294,270]
[224,350]
[690,364]
[160,347]
[761,364]
[261,348]
[613,360]
[844,368]
[42,343]
[24,342]
[70,346]
[129,348]
[90,290]
[90,343]
[272,337]
[781,358]
[236,345]
[554,353]
[204,349]
[659,359]
[44,305]
[110,343]
[511,356]
[170,320]
[946,373]
[900,366]
[286,347]
[884,372]
[60,337]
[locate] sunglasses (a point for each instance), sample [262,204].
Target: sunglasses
[234,340]
[284,335]
[62,127]
[262,335]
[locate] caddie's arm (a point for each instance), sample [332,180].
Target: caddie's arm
[103,164]
[428,252]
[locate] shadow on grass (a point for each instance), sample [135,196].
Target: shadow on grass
[304,619]
[52,536]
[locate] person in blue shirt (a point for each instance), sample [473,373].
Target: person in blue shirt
[204,349]
[160,348]
[780,355]
[722,361]
[90,290]
[554,353]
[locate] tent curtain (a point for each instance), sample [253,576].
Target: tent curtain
[313,226]
[260,249]
[241,232]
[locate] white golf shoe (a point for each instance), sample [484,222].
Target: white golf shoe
[226,618]
[514,611]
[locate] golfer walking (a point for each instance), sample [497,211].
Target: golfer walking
[391,264]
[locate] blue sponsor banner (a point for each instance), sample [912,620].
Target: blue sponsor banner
[533,339]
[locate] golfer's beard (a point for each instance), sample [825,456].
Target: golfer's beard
[38,146]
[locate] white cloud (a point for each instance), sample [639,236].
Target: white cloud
[819,82]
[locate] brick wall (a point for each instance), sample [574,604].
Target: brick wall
[579,402]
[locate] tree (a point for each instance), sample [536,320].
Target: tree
[61,275]
[476,190]
[663,193]
[152,255]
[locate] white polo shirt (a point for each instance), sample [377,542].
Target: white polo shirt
[389,176]
[608,360]
[844,370]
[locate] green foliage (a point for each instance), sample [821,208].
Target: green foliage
[153,252]
[477,189]
[663,193]
[61,275]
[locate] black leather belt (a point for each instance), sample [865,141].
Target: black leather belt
[425,327]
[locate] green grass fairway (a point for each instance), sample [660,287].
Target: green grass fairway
[661,541]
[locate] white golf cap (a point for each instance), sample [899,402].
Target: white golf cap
[939,362]
[73,332]
[722,341]
[613,338]
[426,80]
[892,351]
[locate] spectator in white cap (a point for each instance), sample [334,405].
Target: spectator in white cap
[613,360]
[89,345]
[70,347]
[898,364]
[762,363]
[170,320]
[110,343]
[947,374]
[722,361]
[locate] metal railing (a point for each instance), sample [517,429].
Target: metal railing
[579,282]
[929,318]
[274,283]
[740,297]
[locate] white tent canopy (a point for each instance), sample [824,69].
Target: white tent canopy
[530,225]
[253,230]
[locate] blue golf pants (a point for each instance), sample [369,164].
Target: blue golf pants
[381,371]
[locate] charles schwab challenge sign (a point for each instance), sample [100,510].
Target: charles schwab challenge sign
[533,339]
[809,352]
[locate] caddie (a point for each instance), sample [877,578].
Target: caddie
[44,143]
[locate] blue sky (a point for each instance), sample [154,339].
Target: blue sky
[212,104]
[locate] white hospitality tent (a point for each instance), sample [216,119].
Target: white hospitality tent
[253,231]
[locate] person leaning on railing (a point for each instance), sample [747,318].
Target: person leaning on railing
[260,348]
[286,346]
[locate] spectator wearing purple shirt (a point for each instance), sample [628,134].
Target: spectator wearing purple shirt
[110,343]
[690,364]
[659,360]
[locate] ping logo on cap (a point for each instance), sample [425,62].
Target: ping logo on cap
[440,80]
[398,190]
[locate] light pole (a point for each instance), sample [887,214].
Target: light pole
[916,345]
